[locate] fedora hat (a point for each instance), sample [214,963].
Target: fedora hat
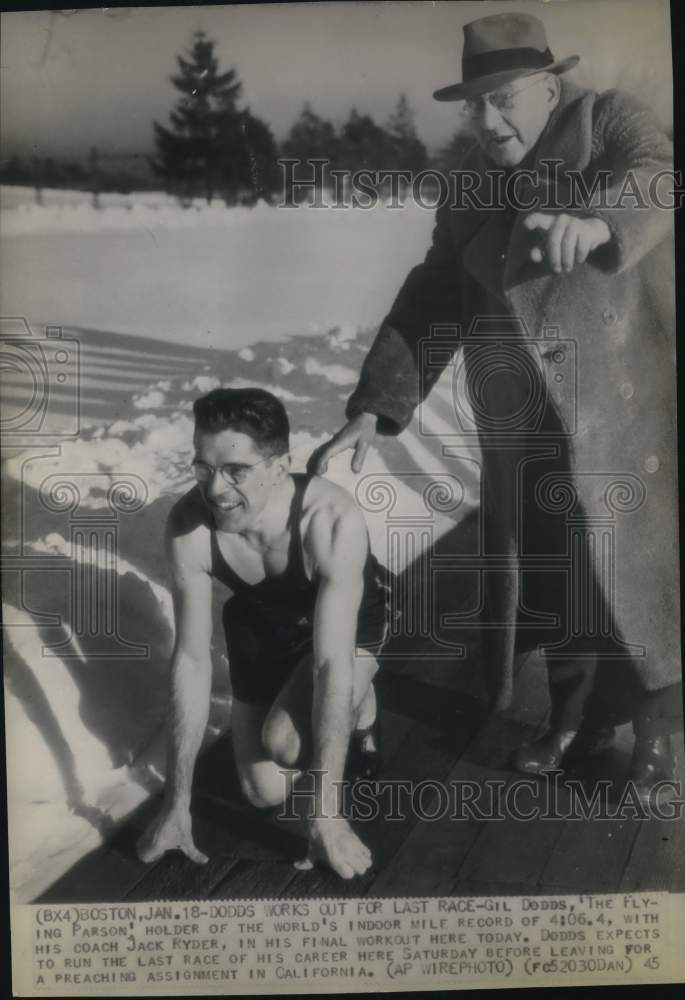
[498,49]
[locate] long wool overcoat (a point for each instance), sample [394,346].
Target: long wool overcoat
[571,378]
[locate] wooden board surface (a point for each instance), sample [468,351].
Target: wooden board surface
[431,732]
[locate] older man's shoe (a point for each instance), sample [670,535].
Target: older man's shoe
[591,741]
[545,754]
[652,762]
[560,746]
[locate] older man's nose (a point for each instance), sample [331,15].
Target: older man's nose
[490,117]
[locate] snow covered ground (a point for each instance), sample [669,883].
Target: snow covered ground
[212,276]
[159,305]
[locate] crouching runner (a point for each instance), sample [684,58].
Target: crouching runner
[306,615]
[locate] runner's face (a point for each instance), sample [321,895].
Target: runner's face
[235,504]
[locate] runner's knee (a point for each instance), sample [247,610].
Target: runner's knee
[265,790]
[280,739]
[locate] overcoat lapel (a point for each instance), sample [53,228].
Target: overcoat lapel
[484,254]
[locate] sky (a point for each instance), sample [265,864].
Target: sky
[70,80]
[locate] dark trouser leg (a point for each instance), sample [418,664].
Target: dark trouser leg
[658,713]
[570,685]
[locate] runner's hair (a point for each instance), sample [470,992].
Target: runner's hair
[255,412]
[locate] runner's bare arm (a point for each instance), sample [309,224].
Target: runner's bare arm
[338,543]
[191,669]
[191,674]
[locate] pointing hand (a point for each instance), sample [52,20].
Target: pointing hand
[567,240]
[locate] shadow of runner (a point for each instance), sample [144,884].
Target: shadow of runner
[23,684]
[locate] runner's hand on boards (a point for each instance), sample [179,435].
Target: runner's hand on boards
[170,831]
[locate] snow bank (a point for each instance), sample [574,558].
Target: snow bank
[210,276]
[74,211]
[156,450]
[337,374]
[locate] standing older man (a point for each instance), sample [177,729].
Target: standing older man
[578,474]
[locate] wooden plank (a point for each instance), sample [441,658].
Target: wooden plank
[103,875]
[523,852]
[591,852]
[258,833]
[608,854]
[322,882]
[427,862]
[509,851]
[255,880]
[176,877]
[657,860]
[492,888]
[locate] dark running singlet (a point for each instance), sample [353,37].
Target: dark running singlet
[269,625]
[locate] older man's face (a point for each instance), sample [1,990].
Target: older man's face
[509,121]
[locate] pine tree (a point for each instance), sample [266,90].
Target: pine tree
[364,144]
[409,153]
[260,157]
[205,144]
[311,137]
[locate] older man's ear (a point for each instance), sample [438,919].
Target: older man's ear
[553,90]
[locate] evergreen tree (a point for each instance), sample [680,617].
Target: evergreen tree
[311,137]
[260,157]
[364,144]
[409,153]
[205,143]
[15,171]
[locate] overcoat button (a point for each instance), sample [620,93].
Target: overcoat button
[627,390]
[651,463]
[609,316]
